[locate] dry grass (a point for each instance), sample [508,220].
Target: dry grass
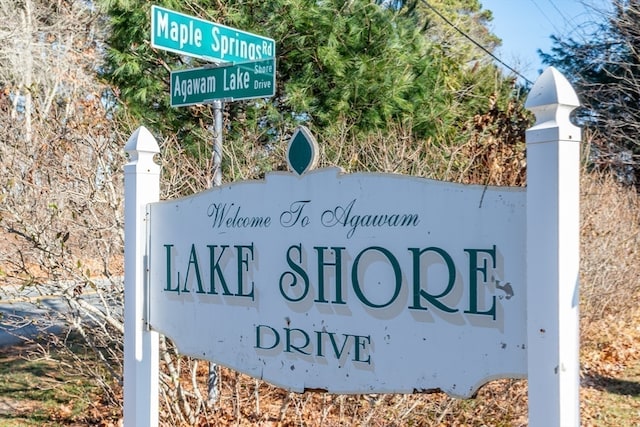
[610,288]
[610,246]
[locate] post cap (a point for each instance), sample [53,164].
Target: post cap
[141,141]
[551,88]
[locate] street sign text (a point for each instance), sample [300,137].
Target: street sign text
[187,35]
[242,81]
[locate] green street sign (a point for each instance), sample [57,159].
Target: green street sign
[234,82]
[187,35]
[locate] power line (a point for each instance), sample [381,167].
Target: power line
[468,37]
[569,23]
[564,17]
[545,16]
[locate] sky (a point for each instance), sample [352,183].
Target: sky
[526,26]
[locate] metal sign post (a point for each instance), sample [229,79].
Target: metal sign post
[253,77]
[216,180]
[216,171]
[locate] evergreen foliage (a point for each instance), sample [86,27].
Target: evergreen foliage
[342,66]
[463,16]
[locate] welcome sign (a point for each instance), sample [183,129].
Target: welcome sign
[349,283]
[365,282]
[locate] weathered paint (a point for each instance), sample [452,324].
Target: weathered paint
[351,283]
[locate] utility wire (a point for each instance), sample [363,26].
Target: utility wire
[564,17]
[546,16]
[570,23]
[468,37]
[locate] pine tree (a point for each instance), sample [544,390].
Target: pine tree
[337,60]
[355,65]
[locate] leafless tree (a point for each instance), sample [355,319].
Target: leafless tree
[604,66]
[60,174]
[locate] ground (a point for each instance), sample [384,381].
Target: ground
[40,391]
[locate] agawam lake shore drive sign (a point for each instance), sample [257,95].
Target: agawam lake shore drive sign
[247,80]
[364,282]
[341,282]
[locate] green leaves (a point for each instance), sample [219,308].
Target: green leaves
[351,65]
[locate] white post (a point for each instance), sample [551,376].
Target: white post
[141,186]
[553,235]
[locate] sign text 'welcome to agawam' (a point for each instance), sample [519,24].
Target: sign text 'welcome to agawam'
[348,283]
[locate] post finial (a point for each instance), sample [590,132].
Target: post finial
[142,141]
[552,99]
[141,148]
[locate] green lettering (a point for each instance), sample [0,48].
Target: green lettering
[259,333]
[474,269]
[168,287]
[193,261]
[289,347]
[419,293]
[216,270]
[396,271]
[243,266]
[358,344]
[338,274]
[338,352]
[294,278]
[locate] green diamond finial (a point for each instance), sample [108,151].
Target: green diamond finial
[302,154]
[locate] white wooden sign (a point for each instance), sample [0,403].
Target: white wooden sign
[348,283]
[366,282]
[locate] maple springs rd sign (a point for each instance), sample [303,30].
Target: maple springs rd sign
[246,62]
[187,35]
